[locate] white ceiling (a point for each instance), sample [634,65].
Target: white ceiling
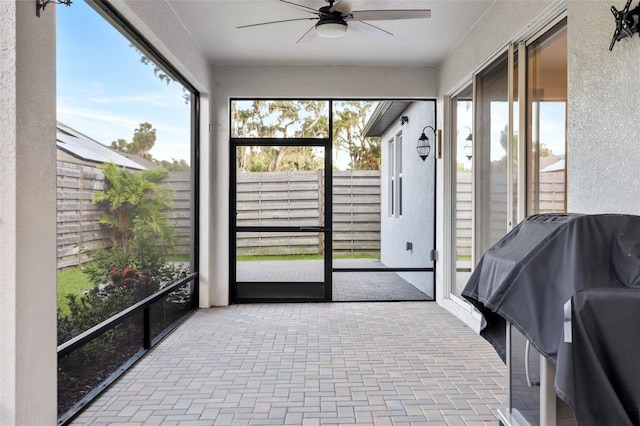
[420,42]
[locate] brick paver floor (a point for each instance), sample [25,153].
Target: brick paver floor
[370,363]
[347,286]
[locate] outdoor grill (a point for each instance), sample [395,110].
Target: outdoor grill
[591,264]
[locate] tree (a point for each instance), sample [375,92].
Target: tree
[303,119]
[120,145]
[161,74]
[135,201]
[348,134]
[173,165]
[144,137]
[279,119]
[545,151]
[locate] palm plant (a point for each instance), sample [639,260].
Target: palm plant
[134,199]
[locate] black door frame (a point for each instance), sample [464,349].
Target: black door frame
[327,289]
[328,269]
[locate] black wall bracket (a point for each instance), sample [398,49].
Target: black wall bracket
[627,22]
[41,4]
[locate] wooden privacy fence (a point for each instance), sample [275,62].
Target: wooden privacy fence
[77,217]
[297,199]
[269,198]
[78,229]
[551,200]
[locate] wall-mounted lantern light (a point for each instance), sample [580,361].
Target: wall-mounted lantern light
[424,147]
[468,146]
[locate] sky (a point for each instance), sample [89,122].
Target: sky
[552,128]
[105,92]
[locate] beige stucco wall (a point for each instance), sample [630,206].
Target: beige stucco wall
[603,161]
[27,215]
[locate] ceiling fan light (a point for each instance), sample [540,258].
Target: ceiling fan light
[331,29]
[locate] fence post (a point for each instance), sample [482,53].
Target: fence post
[146,319]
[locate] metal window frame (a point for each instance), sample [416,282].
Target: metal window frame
[120,23]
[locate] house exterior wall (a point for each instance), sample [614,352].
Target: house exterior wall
[601,124]
[416,225]
[28,361]
[498,26]
[603,130]
[341,82]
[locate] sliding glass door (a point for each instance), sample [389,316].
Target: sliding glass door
[546,121]
[515,156]
[461,189]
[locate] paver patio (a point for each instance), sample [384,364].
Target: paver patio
[347,286]
[374,363]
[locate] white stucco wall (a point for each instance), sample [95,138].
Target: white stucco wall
[603,160]
[602,136]
[500,24]
[159,25]
[416,225]
[28,361]
[339,82]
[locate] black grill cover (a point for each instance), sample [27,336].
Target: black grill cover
[528,275]
[598,373]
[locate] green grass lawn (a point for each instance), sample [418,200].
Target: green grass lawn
[178,258]
[72,281]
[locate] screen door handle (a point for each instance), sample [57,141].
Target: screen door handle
[312,228]
[527,348]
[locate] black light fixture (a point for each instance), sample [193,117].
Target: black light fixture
[627,22]
[424,147]
[41,4]
[468,146]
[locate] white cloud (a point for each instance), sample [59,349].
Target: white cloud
[157,99]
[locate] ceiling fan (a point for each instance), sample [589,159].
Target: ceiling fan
[333,20]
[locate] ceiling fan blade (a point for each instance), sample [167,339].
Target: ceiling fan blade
[308,36]
[340,6]
[368,29]
[387,15]
[301,7]
[275,22]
